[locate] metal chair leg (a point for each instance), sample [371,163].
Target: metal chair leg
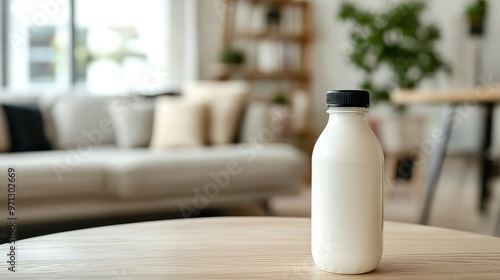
[497,226]
[436,161]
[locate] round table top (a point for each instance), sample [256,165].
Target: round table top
[242,248]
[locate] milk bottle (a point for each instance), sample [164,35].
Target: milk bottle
[347,168]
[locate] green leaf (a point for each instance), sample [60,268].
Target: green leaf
[397,39]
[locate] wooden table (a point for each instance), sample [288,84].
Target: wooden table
[453,99]
[243,248]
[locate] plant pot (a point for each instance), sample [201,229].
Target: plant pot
[223,71]
[476,27]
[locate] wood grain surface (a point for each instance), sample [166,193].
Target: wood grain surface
[242,248]
[485,94]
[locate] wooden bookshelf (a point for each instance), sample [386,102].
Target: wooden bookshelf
[277,75]
[289,36]
[287,63]
[291,40]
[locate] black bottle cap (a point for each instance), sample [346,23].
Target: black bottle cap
[348,98]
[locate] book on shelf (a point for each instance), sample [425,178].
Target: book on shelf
[258,17]
[277,56]
[266,56]
[250,15]
[291,20]
[243,15]
[279,52]
[291,56]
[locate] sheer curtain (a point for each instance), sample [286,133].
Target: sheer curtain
[182,58]
[165,56]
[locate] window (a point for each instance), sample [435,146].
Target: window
[101,46]
[113,53]
[37,45]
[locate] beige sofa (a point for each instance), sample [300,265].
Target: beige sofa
[101,180]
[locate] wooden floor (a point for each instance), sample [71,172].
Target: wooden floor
[455,204]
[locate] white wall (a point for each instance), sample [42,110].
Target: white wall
[210,32]
[331,68]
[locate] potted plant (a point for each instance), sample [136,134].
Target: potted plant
[397,40]
[230,58]
[279,98]
[399,44]
[476,13]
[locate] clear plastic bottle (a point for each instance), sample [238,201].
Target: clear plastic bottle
[347,193]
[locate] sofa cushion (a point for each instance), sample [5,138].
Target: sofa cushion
[178,122]
[256,121]
[56,173]
[44,103]
[230,169]
[132,121]
[82,119]
[226,103]
[26,128]
[4,132]
[106,172]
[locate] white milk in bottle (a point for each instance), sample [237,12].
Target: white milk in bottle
[347,168]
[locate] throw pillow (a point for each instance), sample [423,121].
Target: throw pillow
[226,101]
[26,128]
[132,121]
[256,118]
[4,133]
[178,122]
[82,119]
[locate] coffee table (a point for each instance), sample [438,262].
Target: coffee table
[242,248]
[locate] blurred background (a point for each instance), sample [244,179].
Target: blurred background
[419,60]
